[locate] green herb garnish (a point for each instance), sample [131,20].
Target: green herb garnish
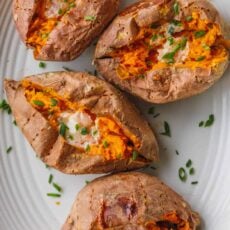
[105,144]
[189,18]
[189,163]
[200,33]
[60,11]
[15,123]
[201,58]
[176,23]
[87,182]
[95,132]
[42,65]
[171,30]
[154,25]
[84,131]
[192,171]
[50,179]
[77,127]
[170,40]
[210,121]
[53,102]
[194,182]
[182,174]
[176,8]
[5,106]
[63,129]
[156,115]
[38,103]
[87,148]
[135,155]
[154,37]
[67,69]
[53,195]
[167,131]
[206,47]
[201,124]
[151,110]
[9,149]
[177,153]
[90,18]
[57,187]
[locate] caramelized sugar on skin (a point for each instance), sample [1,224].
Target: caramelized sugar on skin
[144,54]
[168,222]
[48,14]
[113,143]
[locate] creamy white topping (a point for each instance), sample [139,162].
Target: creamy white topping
[82,130]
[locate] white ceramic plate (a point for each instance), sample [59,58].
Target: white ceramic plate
[24,178]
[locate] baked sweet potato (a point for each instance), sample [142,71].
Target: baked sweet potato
[130,201]
[164,50]
[78,123]
[61,30]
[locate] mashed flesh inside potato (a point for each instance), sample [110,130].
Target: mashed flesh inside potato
[184,44]
[96,135]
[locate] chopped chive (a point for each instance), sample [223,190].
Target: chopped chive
[210,121]
[50,179]
[171,30]
[57,187]
[200,33]
[9,149]
[167,131]
[134,155]
[90,18]
[176,23]
[170,40]
[5,106]
[60,11]
[53,102]
[63,129]
[189,18]
[53,194]
[151,110]
[176,8]
[192,171]
[201,58]
[72,4]
[201,124]
[87,149]
[42,65]
[84,131]
[153,168]
[206,47]
[77,127]
[157,115]
[38,103]
[67,69]
[154,37]
[105,144]
[182,174]
[15,123]
[95,132]
[194,182]
[87,182]
[70,137]
[189,163]
[154,25]
[47,166]
[169,57]
[177,153]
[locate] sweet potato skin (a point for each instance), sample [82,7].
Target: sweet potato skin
[98,96]
[176,83]
[73,34]
[126,201]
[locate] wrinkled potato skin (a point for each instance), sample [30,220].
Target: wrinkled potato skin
[73,34]
[102,99]
[127,201]
[176,83]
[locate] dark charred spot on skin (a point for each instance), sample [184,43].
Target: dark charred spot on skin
[128,206]
[167,225]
